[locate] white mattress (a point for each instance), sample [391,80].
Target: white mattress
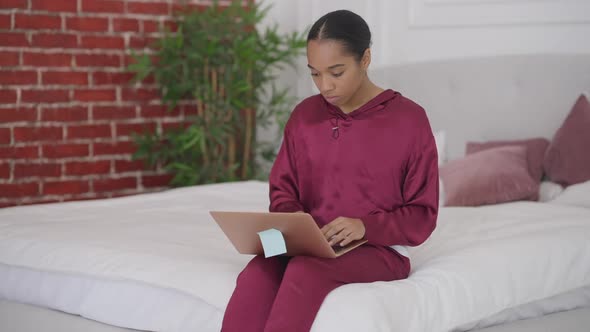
[158,262]
[122,303]
[153,262]
[19,317]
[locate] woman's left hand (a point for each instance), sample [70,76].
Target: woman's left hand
[344,230]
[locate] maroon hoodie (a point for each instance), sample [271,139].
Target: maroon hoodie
[377,163]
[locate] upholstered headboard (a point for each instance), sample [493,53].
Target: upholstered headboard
[503,97]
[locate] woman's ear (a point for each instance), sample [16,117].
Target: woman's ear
[366,59]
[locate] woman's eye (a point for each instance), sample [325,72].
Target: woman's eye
[315,74]
[338,74]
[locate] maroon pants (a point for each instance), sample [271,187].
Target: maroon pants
[284,294]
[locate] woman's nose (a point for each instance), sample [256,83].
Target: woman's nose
[326,84]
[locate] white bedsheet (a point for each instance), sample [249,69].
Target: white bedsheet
[166,240]
[180,270]
[478,262]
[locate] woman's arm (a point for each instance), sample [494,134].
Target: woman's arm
[284,193]
[413,222]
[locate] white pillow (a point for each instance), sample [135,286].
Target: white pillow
[577,195]
[549,191]
[440,139]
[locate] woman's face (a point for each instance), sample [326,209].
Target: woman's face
[336,73]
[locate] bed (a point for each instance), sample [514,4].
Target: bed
[158,262]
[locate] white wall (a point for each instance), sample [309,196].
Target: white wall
[406,31]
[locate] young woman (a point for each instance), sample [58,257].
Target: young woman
[362,161]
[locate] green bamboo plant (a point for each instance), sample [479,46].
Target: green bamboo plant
[219,60]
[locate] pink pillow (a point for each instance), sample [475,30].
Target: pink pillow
[536,148]
[567,160]
[493,176]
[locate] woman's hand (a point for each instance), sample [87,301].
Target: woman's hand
[344,230]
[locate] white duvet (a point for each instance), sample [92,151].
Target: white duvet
[159,262]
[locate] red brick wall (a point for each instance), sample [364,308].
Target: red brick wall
[66,107]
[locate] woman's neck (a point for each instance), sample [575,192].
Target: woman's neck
[367,91]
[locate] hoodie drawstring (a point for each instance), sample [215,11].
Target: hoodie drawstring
[335,128]
[374,105]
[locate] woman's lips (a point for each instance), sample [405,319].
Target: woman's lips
[332,99]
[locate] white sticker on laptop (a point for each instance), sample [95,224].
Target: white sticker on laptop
[273,242]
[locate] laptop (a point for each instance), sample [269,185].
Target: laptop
[302,235]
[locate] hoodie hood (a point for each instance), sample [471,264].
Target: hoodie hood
[373,105]
[340,119]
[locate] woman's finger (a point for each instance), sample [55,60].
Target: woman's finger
[329,226]
[338,238]
[347,239]
[333,230]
